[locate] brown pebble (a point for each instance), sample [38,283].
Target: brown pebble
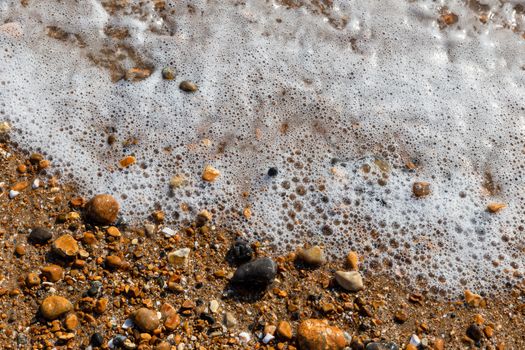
[352,259]
[495,207]
[146,320]
[473,299]
[315,334]
[127,161]
[421,189]
[210,174]
[55,306]
[71,322]
[113,261]
[66,246]
[102,209]
[32,279]
[101,305]
[53,273]
[188,86]
[163,346]
[312,256]
[439,344]
[284,330]
[411,347]
[401,316]
[20,250]
[489,331]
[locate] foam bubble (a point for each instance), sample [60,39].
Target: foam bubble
[338,97]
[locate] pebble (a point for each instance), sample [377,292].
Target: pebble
[284,330]
[229,320]
[188,86]
[210,174]
[349,280]
[146,320]
[97,340]
[170,316]
[66,246]
[474,332]
[113,261]
[53,273]
[71,322]
[240,252]
[315,334]
[13,194]
[381,346]
[168,73]
[179,257]
[260,273]
[495,207]
[272,172]
[55,306]
[102,209]
[214,306]
[473,299]
[168,232]
[20,250]
[352,259]
[5,127]
[177,181]
[312,256]
[421,189]
[40,235]
[32,279]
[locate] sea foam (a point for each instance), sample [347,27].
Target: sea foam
[352,102]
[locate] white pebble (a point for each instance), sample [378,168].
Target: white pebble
[13,194]
[267,338]
[168,232]
[244,337]
[36,184]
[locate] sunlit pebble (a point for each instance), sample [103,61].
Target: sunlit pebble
[13,194]
[36,184]
[168,232]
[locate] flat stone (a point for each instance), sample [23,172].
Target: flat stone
[53,273]
[146,320]
[66,246]
[315,334]
[55,306]
[260,273]
[102,209]
[40,235]
[349,280]
[312,256]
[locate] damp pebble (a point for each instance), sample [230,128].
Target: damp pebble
[349,280]
[260,272]
[102,209]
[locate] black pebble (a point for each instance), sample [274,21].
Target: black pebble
[97,339]
[119,340]
[474,332]
[273,171]
[40,235]
[258,273]
[240,252]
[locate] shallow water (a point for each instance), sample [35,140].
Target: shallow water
[351,101]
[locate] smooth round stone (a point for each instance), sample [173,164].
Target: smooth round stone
[146,320]
[349,280]
[102,209]
[40,235]
[55,306]
[260,272]
[312,256]
[315,334]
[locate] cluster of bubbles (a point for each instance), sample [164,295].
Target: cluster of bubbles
[351,103]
